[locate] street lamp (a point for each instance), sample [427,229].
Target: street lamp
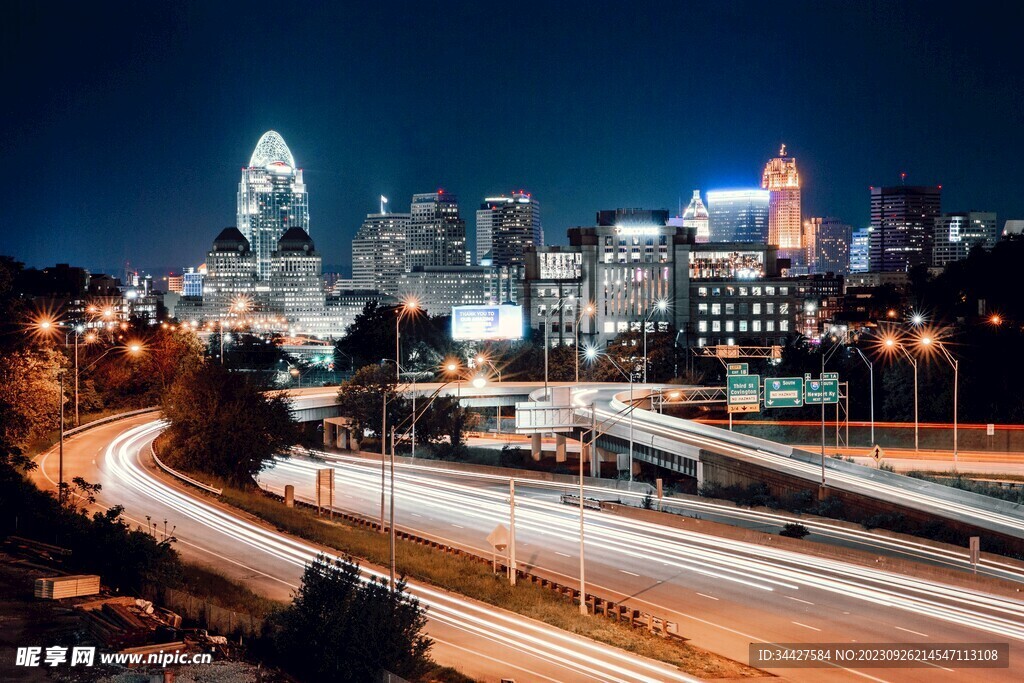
[588,311]
[871,375]
[452,367]
[409,307]
[547,342]
[892,346]
[592,353]
[659,307]
[928,342]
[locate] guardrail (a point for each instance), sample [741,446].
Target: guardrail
[589,503]
[596,604]
[183,477]
[108,419]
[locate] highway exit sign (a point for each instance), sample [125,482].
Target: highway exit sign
[818,391]
[738,369]
[783,392]
[743,393]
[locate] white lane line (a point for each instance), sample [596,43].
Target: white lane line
[709,597]
[562,554]
[458,526]
[414,514]
[916,633]
[630,573]
[790,597]
[806,626]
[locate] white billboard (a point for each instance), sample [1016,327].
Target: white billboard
[475,323]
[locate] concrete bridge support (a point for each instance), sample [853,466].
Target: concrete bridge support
[560,448]
[339,432]
[535,446]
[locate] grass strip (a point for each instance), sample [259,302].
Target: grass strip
[475,580]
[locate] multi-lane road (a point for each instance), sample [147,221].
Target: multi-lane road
[482,641]
[724,594]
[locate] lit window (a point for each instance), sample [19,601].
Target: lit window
[716,309]
[730,326]
[757,309]
[716,325]
[743,326]
[702,326]
[756,326]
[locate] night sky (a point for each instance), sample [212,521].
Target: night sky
[126,124]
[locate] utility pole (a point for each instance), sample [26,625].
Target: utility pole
[383,456]
[60,460]
[512,531]
[392,524]
[593,454]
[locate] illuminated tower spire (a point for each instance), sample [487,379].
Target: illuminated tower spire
[783,184]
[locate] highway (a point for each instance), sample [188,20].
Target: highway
[481,641]
[724,594]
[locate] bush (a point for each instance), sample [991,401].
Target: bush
[794,530]
[341,628]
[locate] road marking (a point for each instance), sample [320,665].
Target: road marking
[458,526]
[630,573]
[916,633]
[709,597]
[806,626]
[415,514]
[797,599]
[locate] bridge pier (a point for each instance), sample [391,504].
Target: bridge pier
[560,448]
[535,447]
[338,433]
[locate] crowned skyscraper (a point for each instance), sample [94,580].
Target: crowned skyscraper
[271,199]
[696,216]
[783,184]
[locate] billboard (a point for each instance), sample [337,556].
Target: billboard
[475,323]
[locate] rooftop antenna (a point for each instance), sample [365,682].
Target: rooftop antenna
[903,178]
[782,150]
[383,201]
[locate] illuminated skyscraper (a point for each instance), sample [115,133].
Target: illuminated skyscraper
[902,222]
[505,227]
[437,235]
[827,245]
[738,215]
[271,199]
[783,183]
[378,252]
[696,216]
[860,249]
[957,233]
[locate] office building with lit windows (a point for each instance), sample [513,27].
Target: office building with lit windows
[296,278]
[738,216]
[957,233]
[902,226]
[437,233]
[782,181]
[860,250]
[378,252]
[827,245]
[271,199]
[231,273]
[505,227]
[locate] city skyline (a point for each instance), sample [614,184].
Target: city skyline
[170,176]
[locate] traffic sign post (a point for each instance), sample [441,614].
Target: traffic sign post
[818,391]
[783,392]
[877,454]
[743,393]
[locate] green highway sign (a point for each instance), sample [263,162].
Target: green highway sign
[818,391]
[830,375]
[743,393]
[738,369]
[783,392]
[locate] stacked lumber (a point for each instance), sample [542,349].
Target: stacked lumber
[59,587]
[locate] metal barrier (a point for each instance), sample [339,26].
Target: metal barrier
[183,477]
[108,419]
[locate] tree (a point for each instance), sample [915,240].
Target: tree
[362,398]
[444,425]
[29,400]
[341,628]
[222,425]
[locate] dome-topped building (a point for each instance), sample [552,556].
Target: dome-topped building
[271,149]
[271,198]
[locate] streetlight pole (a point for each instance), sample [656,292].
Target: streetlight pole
[871,377]
[593,454]
[60,459]
[824,359]
[928,341]
[392,521]
[913,362]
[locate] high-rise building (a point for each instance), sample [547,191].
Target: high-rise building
[696,216]
[957,233]
[296,283]
[505,227]
[271,199]
[738,215]
[378,252]
[903,223]
[782,181]
[175,283]
[192,282]
[827,245]
[231,273]
[860,250]
[437,234]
